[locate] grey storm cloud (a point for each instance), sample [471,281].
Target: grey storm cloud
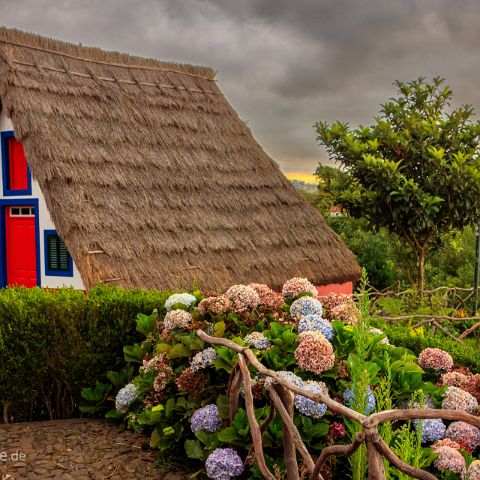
[283,64]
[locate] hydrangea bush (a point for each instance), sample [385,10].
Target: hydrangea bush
[174,386]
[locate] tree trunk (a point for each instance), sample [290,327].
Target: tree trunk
[421,271]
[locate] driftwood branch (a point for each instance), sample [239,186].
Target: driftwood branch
[264,425]
[307,458]
[281,396]
[413,472]
[337,450]
[289,450]
[332,405]
[469,331]
[445,331]
[233,392]
[376,469]
[411,414]
[438,317]
[254,428]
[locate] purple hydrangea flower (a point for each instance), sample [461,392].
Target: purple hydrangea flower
[305,306]
[316,323]
[224,463]
[349,398]
[206,418]
[433,429]
[309,407]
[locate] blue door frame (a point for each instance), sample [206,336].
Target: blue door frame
[12,202]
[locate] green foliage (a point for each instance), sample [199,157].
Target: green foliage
[407,443]
[328,178]
[453,262]
[383,255]
[421,338]
[54,342]
[363,373]
[416,171]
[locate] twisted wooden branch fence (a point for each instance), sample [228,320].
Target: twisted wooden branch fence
[454,297]
[281,397]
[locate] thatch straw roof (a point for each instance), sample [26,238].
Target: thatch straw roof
[150,176]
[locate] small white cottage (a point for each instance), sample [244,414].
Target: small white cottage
[32,252]
[139,173]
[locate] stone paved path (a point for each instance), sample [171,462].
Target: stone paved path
[75,450]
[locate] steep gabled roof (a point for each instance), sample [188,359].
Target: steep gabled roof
[150,176]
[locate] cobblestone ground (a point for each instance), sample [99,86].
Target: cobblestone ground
[75,450]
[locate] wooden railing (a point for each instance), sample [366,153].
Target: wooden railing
[282,402]
[456,298]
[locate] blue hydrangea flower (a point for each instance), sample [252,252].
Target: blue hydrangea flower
[310,407]
[184,298]
[224,463]
[316,323]
[206,418]
[257,340]
[305,306]
[433,429]
[125,397]
[349,398]
[290,376]
[203,359]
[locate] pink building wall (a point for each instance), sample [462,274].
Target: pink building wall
[346,288]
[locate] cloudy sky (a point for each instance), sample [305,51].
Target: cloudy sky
[283,64]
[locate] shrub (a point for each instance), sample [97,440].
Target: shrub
[181,386]
[53,341]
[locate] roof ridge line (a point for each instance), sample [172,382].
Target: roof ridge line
[112,64]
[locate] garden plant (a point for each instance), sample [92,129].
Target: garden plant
[252,383]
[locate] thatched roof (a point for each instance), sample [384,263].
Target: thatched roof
[150,176]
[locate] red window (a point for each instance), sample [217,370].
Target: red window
[17,166]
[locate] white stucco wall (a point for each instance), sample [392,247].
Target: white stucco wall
[45,223]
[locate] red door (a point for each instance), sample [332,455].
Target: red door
[20,245]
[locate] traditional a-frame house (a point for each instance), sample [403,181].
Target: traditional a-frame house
[139,173]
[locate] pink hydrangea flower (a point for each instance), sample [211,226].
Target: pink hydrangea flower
[474,471]
[456,399]
[315,353]
[267,296]
[446,442]
[296,285]
[333,300]
[465,434]
[450,459]
[435,359]
[243,297]
[216,305]
[346,312]
[176,319]
[454,379]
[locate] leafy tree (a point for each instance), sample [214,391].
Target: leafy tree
[416,171]
[328,179]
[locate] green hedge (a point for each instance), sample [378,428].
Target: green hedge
[418,339]
[54,342]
